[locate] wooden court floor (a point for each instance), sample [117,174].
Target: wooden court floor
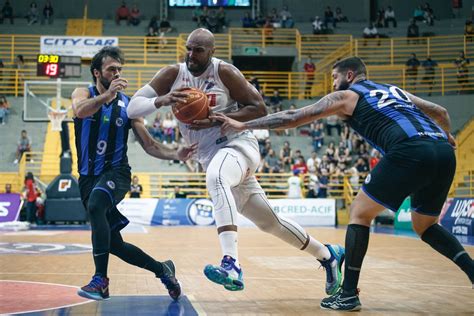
[400,275]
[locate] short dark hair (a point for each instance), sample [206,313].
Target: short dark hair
[108,51]
[355,64]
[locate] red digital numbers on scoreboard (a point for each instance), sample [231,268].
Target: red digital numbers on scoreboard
[51,70]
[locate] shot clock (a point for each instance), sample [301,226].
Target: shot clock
[55,66]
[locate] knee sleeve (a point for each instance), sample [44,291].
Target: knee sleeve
[99,203]
[223,173]
[259,211]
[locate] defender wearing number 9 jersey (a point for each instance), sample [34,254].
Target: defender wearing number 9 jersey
[101,139]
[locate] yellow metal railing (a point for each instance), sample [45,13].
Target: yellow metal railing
[263,37]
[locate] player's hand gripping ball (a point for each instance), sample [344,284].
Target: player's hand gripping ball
[196,106]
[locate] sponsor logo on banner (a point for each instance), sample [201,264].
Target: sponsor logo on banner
[64,184]
[200,212]
[459,217]
[9,207]
[43,249]
[139,211]
[84,46]
[403,216]
[307,212]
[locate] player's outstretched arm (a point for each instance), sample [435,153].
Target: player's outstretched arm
[155,94]
[83,106]
[156,149]
[337,103]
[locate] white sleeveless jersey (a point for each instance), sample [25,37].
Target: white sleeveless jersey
[210,140]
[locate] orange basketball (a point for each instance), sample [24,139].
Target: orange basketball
[196,106]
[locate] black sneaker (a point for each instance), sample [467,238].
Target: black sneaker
[169,280]
[342,302]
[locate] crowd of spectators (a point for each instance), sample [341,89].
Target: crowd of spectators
[214,21]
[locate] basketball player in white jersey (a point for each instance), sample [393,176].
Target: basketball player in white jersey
[230,160]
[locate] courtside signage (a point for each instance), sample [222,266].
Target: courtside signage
[9,207]
[459,218]
[84,46]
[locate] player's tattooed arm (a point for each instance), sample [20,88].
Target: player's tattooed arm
[157,149]
[433,110]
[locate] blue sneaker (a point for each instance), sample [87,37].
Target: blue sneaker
[333,268]
[97,289]
[169,280]
[227,274]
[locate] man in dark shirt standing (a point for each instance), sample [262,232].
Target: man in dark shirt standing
[412,70]
[101,126]
[430,71]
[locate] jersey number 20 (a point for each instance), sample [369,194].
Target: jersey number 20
[384,94]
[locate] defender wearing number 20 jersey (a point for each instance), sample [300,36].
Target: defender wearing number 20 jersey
[385,116]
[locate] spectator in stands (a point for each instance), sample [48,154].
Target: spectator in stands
[4,109]
[323,184]
[261,135]
[274,18]
[266,148]
[203,17]
[313,186]
[462,71]
[152,39]
[247,20]
[134,17]
[361,165]
[178,194]
[333,122]
[276,101]
[19,62]
[430,70]
[7,12]
[370,31]
[329,18]
[380,18]
[346,136]
[317,26]
[390,17]
[254,82]
[268,28]
[313,162]
[122,13]
[8,188]
[331,152]
[221,19]
[153,24]
[165,26]
[212,24]
[286,18]
[428,14]
[156,129]
[33,14]
[48,13]
[413,31]
[309,70]
[196,15]
[136,189]
[469,30]
[300,164]
[272,163]
[294,185]
[30,198]
[339,16]
[170,126]
[419,14]
[286,155]
[24,145]
[317,135]
[412,70]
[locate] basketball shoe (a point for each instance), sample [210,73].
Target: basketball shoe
[333,268]
[97,289]
[169,280]
[227,274]
[342,301]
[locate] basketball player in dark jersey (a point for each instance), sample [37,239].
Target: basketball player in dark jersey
[414,136]
[101,127]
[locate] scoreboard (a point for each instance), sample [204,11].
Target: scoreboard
[55,66]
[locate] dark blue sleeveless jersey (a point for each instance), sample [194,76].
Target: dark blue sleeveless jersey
[101,139]
[385,116]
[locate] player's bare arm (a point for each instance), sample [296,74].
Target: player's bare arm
[156,93]
[340,103]
[433,110]
[83,106]
[159,150]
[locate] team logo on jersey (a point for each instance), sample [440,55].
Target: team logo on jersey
[200,212]
[106,119]
[119,121]
[367,180]
[209,85]
[111,184]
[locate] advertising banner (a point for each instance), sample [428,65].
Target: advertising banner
[459,218]
[200,212]
[84,46]
[403,216]
[9,207]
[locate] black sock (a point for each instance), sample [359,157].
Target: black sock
[446,244]
[101,262]
[357,241]
[134,255]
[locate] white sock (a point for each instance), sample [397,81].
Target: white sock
[229,244]
[317,249]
